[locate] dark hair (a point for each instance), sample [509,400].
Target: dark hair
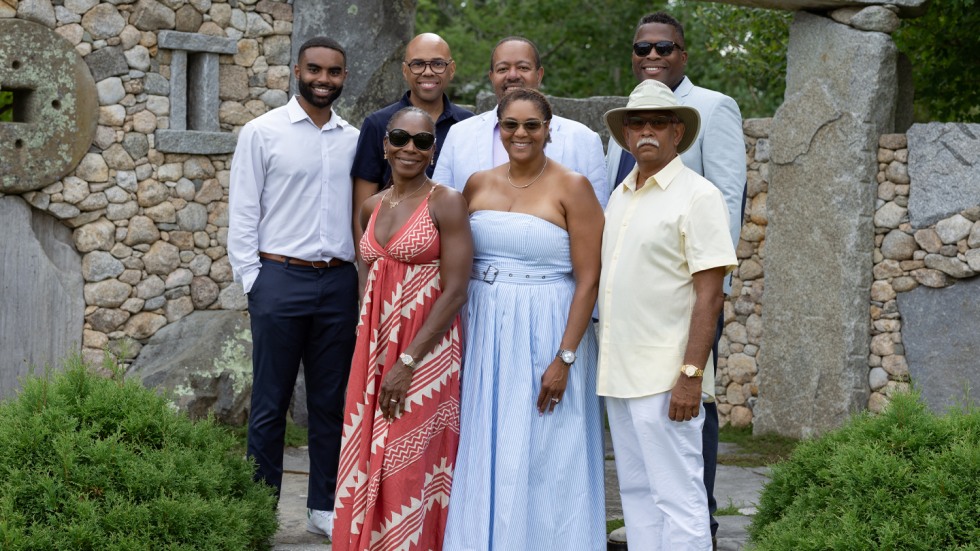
[537,55]
[525,94]
[321,42]
[405,111]
[664,19]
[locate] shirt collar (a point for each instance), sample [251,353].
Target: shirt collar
[662,178]
[449,109]
[297,113]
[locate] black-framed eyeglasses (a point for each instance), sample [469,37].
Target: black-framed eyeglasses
[637,122]
[417,66]
[530,125]
[399,138]
[664,48]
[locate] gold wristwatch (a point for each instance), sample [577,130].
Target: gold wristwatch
[692,371]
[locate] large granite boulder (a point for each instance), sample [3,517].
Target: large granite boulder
[374,34]
[944,169]
[40,292]
[204,361]
[821,203]
[942,343]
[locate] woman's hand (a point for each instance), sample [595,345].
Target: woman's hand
[553,384]
[394,389]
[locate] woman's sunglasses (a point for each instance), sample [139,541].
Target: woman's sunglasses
[530,125]
[664,48]
[399,138]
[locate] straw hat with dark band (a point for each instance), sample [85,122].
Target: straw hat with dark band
[653,95]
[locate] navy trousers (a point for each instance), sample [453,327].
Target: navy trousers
[709,437]
[306,314]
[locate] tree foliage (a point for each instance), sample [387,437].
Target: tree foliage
[585,48]
[944,47]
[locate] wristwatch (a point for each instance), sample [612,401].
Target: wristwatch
[408,361]
[692,371]
[567,357]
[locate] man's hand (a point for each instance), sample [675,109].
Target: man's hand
[685,398]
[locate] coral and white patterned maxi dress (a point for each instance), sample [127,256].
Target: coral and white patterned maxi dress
[394,478]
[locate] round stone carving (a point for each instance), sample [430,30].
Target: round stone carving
[55,106]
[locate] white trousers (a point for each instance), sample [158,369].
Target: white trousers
[661,475]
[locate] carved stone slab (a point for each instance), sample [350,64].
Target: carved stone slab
[944,166]
[941,342]
[56,104]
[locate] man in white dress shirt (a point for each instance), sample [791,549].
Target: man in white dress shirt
[290,246]
[474,144]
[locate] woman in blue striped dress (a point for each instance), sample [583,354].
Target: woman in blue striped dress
[529,470]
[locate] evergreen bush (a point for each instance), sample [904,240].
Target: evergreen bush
[94,463]
[905,479]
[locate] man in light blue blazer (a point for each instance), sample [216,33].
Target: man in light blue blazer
[474,144]
[718,154]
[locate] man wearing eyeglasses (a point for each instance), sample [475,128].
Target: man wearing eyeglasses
[428,69]
[475,144]
[718,154]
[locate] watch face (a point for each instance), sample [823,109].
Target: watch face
[567,356]
[690,370]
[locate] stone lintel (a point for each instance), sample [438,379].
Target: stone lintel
[194,42]
[906,8]
[195,142]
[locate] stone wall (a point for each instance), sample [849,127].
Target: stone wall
[150,223]
[736,383]
[911,266]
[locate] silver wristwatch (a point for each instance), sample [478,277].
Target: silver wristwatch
[567,357]
[408,361]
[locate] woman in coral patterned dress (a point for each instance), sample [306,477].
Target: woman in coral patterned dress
[401,418]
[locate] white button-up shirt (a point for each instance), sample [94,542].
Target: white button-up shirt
[654,240]
[290,190]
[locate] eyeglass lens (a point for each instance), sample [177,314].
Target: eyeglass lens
[658,123]
[531,125]
[423,140]
[664,48]
[438,66]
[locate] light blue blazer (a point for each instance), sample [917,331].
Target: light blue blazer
[469,148]
[718,153]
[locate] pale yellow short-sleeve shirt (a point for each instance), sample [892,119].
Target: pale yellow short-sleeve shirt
[655,238]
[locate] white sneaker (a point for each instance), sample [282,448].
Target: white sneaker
[320,522]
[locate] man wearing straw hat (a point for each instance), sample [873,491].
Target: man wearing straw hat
[665,247]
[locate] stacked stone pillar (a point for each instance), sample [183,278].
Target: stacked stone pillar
[840,97]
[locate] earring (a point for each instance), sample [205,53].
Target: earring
[386,154]
[432,161]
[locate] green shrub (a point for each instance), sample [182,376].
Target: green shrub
[906,479]
[89,463]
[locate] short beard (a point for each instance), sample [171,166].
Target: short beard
[306,91]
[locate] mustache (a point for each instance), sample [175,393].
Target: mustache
[648,141]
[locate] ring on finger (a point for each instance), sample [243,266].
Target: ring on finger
[556,400]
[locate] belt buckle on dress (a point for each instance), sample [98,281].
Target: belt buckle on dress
[489,276]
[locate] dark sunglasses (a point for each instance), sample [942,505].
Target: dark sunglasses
[438,66]
[664,48]
[636,123]
[531,125]
[399,138]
